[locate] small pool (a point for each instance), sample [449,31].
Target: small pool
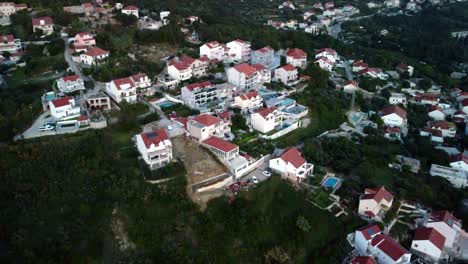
[331,182]
[165,104]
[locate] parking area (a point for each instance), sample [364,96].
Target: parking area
[35,131]
[259,172]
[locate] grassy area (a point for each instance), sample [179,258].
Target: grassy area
[320,198]
[175,169]
[180,109]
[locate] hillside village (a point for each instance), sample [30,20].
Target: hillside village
[233,116]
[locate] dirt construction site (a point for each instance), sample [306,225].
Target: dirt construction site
[201,167]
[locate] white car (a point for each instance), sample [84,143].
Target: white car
[169,128]
[46,127]
[267,173]
[254,179]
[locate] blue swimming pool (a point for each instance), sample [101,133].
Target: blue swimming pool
[165,104]
[331,182]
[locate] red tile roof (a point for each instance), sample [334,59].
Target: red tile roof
[85,34]
[249,95]
[377,194]
[180,65]
[220,144]
[425,233]
[293,156]
[432,131]
[296,54]
[71,78]
[394,110]
[123,81]
[154,137]
[289,67]
[444,216]
[369,231]
[389,246]
[264,112]
[265,49]
[46,21]
[464,102]
[132,8]
[212,44]
[186,59]
[87,5]
[393,130]
[360,63]
[327,50]
[95,52]
[8,38]
[201,85]
[62,101]
[245,69]
[206,119]
[138,77]
[363,260]
[258,67]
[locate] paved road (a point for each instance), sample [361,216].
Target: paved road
[73,65]
[34,131]
[349,71]
[258,172]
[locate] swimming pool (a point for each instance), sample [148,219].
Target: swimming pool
[165,104]
[331,182]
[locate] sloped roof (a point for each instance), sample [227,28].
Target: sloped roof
[394,110]
[289,68]
[293,156]
[180,65]
[220,144]
[206,119]
[249,95]
[71,78]
[363,260]
[296,53]
[264,112]
[377,194]
[62,101]
[429,233]
[46,21]
[123,81]
[245,69]
[95,52]
[369,231]
[154,137]
[389,246]
[443,216]
[199,85]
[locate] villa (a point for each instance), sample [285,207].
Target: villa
[155,148]
[64,108]
[374,203]
[292,166]
[69,84]
[205,126]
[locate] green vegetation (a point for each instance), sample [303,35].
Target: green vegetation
[180,109]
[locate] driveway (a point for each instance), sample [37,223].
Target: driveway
[258,172]
[73,66]
[34,131]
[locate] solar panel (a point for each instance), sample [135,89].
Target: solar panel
[151,135]
[370,231]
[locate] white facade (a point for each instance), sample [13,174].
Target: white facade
[266,119]
[397,98]
[291,165]
[287,74]
[296,58]
[243,76]
[437,114]
[123,89]
[239,50]
[213,50]
[69,84]
[64,108]
[374,201]
[7,8]
[179,71]
[394,120]
[264,56]
[93,56]
[155,148]
[205,126]
[8,43]
[458,178]
[249,101]
[130,10]
[426,248]
[197,95]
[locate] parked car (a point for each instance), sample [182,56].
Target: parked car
[267,173]
[254,179]
[46,127]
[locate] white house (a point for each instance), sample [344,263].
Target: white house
[428,243]
[287,74]
[9,44]
[199,67]
[457,177]
[94,56]
[328,53]
[64,108]
[292,165]
[123,89]
[264,73]
[372,73]
[9,8]
[249,101]
[405,68]
[325,64]
[363,237]
[394,116]
[387,251]
[446,224]
[130,10]
[297,58]
[197,95]
[359,65]
[238,50]
[350,86]
[155,148]
[313,28]
[434,134]
[179,70]
[460,161]
[205,126]
[397,98]
[164,16]
[45,24]
[448,129]
[374,202]
[83,41]
[69,84]
[223,149]
[264,56]
[213,50]
[266,119]
[243,76]
[436,113]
